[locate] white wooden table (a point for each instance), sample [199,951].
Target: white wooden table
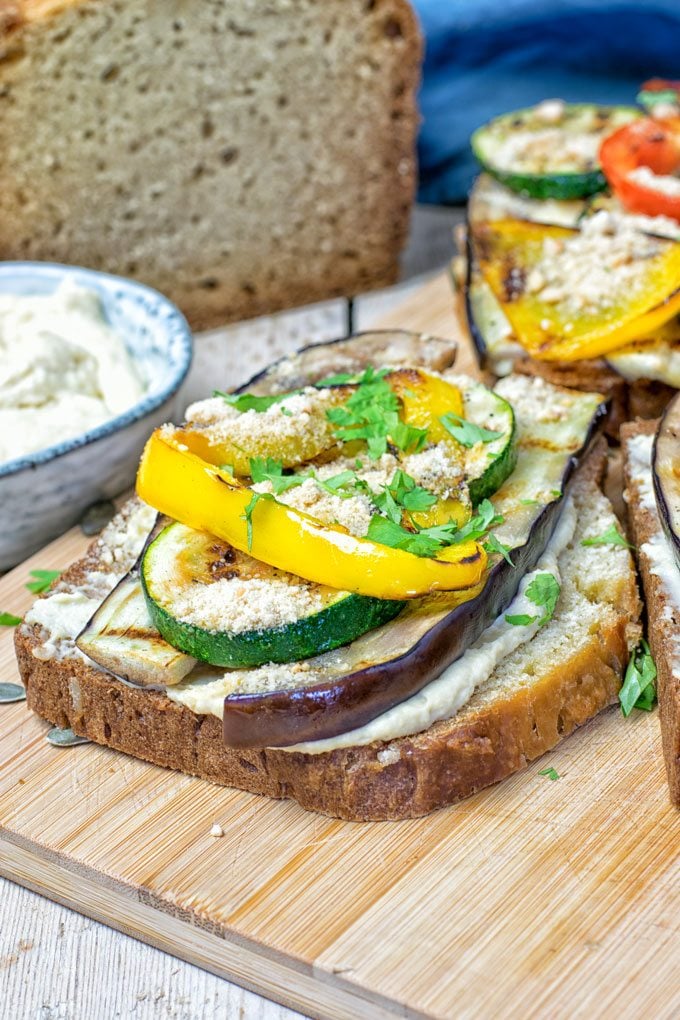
[58,965]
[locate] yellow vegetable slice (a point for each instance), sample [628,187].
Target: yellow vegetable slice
[178,483]
[292,441]
[566,323]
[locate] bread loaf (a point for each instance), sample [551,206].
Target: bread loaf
[240,155]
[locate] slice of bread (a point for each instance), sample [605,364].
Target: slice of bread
[239,157]
[566,674]
[663,611]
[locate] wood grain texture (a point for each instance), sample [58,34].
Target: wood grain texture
[532,899]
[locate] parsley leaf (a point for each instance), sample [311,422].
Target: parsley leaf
[638,689]
[544,591]
[485,518]
[337,484]
[388,532]
[270,470]
[250,402]
[466,432]
[370,374]
[9,620]
[551,773]
[529,502]
[43,580]
[403,492]
[247,514]
[612,536]
[372,414]
[494,545]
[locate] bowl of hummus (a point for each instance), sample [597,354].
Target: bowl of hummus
[89,365]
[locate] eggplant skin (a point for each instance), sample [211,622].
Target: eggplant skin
[285,717]
[666,473]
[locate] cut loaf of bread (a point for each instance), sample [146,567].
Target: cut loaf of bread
[564,676]
[663,611]
[241,156]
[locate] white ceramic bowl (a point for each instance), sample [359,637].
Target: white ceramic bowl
[44,493]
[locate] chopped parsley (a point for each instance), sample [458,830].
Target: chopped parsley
[9,620]
[387,532]
[43,580]
[250,402]
[267,469]
[247,514]
[466,432]
[402,493]
[638,689]
[529,502]
[551,773]
[612,536]
[338,484]
[543,591]
[430,541]
[372,414]
[494,545]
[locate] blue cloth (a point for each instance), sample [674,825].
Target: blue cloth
[485,57]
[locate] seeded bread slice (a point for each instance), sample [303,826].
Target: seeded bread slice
[663,613]
[241,157]
[568,673]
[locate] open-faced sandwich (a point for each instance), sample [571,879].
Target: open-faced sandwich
[652,466]
[570,264]
[364,582]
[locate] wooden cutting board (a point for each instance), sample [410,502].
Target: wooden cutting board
[536,898]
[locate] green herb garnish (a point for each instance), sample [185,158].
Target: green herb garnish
[551,773]
[9,620]
[250,402]
[466,432]
[402,493]
[543,591]
[267,469]
[387,532]
[612,536]
[494,545]
[247,514]
[43,580]
[638,689]
[372,414]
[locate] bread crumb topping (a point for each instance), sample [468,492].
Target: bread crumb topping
[592,270]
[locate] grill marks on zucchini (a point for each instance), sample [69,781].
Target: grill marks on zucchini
[550,150]
[221,606]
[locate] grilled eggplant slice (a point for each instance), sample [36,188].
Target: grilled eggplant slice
[122,638]
[666,473]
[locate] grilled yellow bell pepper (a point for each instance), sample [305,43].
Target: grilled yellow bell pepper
[510,250]
[424,397]
[177,482]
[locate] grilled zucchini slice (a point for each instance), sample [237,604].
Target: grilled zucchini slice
[221,606]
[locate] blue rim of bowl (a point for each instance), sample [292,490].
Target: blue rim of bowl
[175,320]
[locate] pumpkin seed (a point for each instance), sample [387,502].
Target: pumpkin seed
[11,692]
[65,737]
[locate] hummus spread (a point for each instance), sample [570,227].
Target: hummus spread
[63,369]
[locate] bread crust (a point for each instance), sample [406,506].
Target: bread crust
[406,778]
[663,618]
